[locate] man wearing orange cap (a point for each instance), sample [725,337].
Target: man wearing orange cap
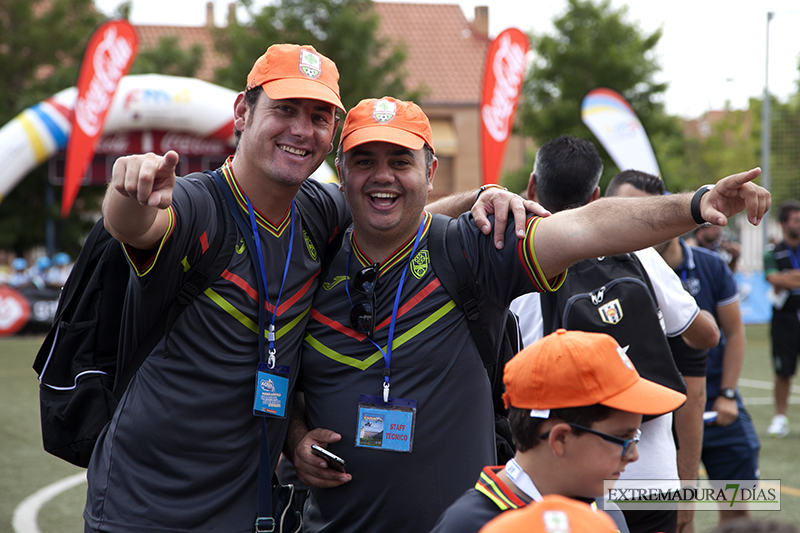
[574,399]
[182,451]
[393,381]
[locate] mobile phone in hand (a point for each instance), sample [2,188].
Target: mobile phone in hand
[333,460]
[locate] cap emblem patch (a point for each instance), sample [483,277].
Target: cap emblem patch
[623,354]
[384,111]
[556,522]
[310,64]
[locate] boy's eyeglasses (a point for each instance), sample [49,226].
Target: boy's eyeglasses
[362,316]
[627,444]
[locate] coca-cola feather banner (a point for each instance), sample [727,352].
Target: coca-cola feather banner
[503,75]
[108,58]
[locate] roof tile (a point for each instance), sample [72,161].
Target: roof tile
[188,36]
[444,54]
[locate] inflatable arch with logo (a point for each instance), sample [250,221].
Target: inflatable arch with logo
[149,112]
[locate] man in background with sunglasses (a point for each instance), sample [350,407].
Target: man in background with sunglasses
[393,382]
[575,406]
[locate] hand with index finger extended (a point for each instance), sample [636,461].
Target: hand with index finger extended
[163,181]
[734,194]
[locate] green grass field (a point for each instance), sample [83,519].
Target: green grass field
[25,468]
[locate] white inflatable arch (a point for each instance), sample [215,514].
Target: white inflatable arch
[141,103]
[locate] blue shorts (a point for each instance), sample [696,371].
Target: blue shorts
[731,452]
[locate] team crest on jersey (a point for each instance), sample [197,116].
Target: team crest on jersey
[312,251]
[384,111]
[310,64]
[623,354]
[419,265]
[611,313]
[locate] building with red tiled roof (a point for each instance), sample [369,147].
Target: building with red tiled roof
[445,55]
[188,36]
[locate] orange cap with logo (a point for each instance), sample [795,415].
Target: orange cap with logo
[578,369]
[554,514]
[290,71]
[387,120]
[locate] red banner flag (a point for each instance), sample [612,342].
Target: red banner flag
[503,75]
[108,58]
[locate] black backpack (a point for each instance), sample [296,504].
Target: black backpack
[79,364]
[496,345]
[614,295]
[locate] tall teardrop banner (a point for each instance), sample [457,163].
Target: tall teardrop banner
[108,58]
[615,124]
[503,75]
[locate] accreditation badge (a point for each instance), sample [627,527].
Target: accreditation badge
[272,387]
[386,425]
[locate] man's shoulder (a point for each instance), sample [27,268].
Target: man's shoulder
[468,514]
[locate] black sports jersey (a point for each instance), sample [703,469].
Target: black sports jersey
[434,362]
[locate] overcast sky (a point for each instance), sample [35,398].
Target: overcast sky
[711,51]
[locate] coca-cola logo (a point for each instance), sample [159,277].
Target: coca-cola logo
[118,143]
[110,61]
[191,144]
[508,67]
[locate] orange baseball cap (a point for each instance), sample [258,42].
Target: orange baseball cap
[554,514]
[577,369]
[291,71]
[387,120]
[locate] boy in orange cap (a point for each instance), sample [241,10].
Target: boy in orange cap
[575,406]
[554,514]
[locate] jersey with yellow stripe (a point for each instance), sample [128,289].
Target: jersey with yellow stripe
[480,504]
[434,362]
[186,425]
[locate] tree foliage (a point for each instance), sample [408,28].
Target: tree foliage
[169,58]
[785,150]
[343,30]
[595,46]
[41,45]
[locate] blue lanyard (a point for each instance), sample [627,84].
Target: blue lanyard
[387,355]
[254,226]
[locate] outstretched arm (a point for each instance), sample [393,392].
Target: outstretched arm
[137,198]
[615,225]
[491,201]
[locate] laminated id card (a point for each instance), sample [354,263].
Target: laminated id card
[386,425]
[272,386]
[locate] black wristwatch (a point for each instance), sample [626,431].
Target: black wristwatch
[728,392]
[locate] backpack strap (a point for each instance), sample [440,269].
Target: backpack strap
[196,280]
[451,267]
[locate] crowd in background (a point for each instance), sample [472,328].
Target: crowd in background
[18,273]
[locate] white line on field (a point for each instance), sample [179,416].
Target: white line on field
[27,512]
[765,385]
